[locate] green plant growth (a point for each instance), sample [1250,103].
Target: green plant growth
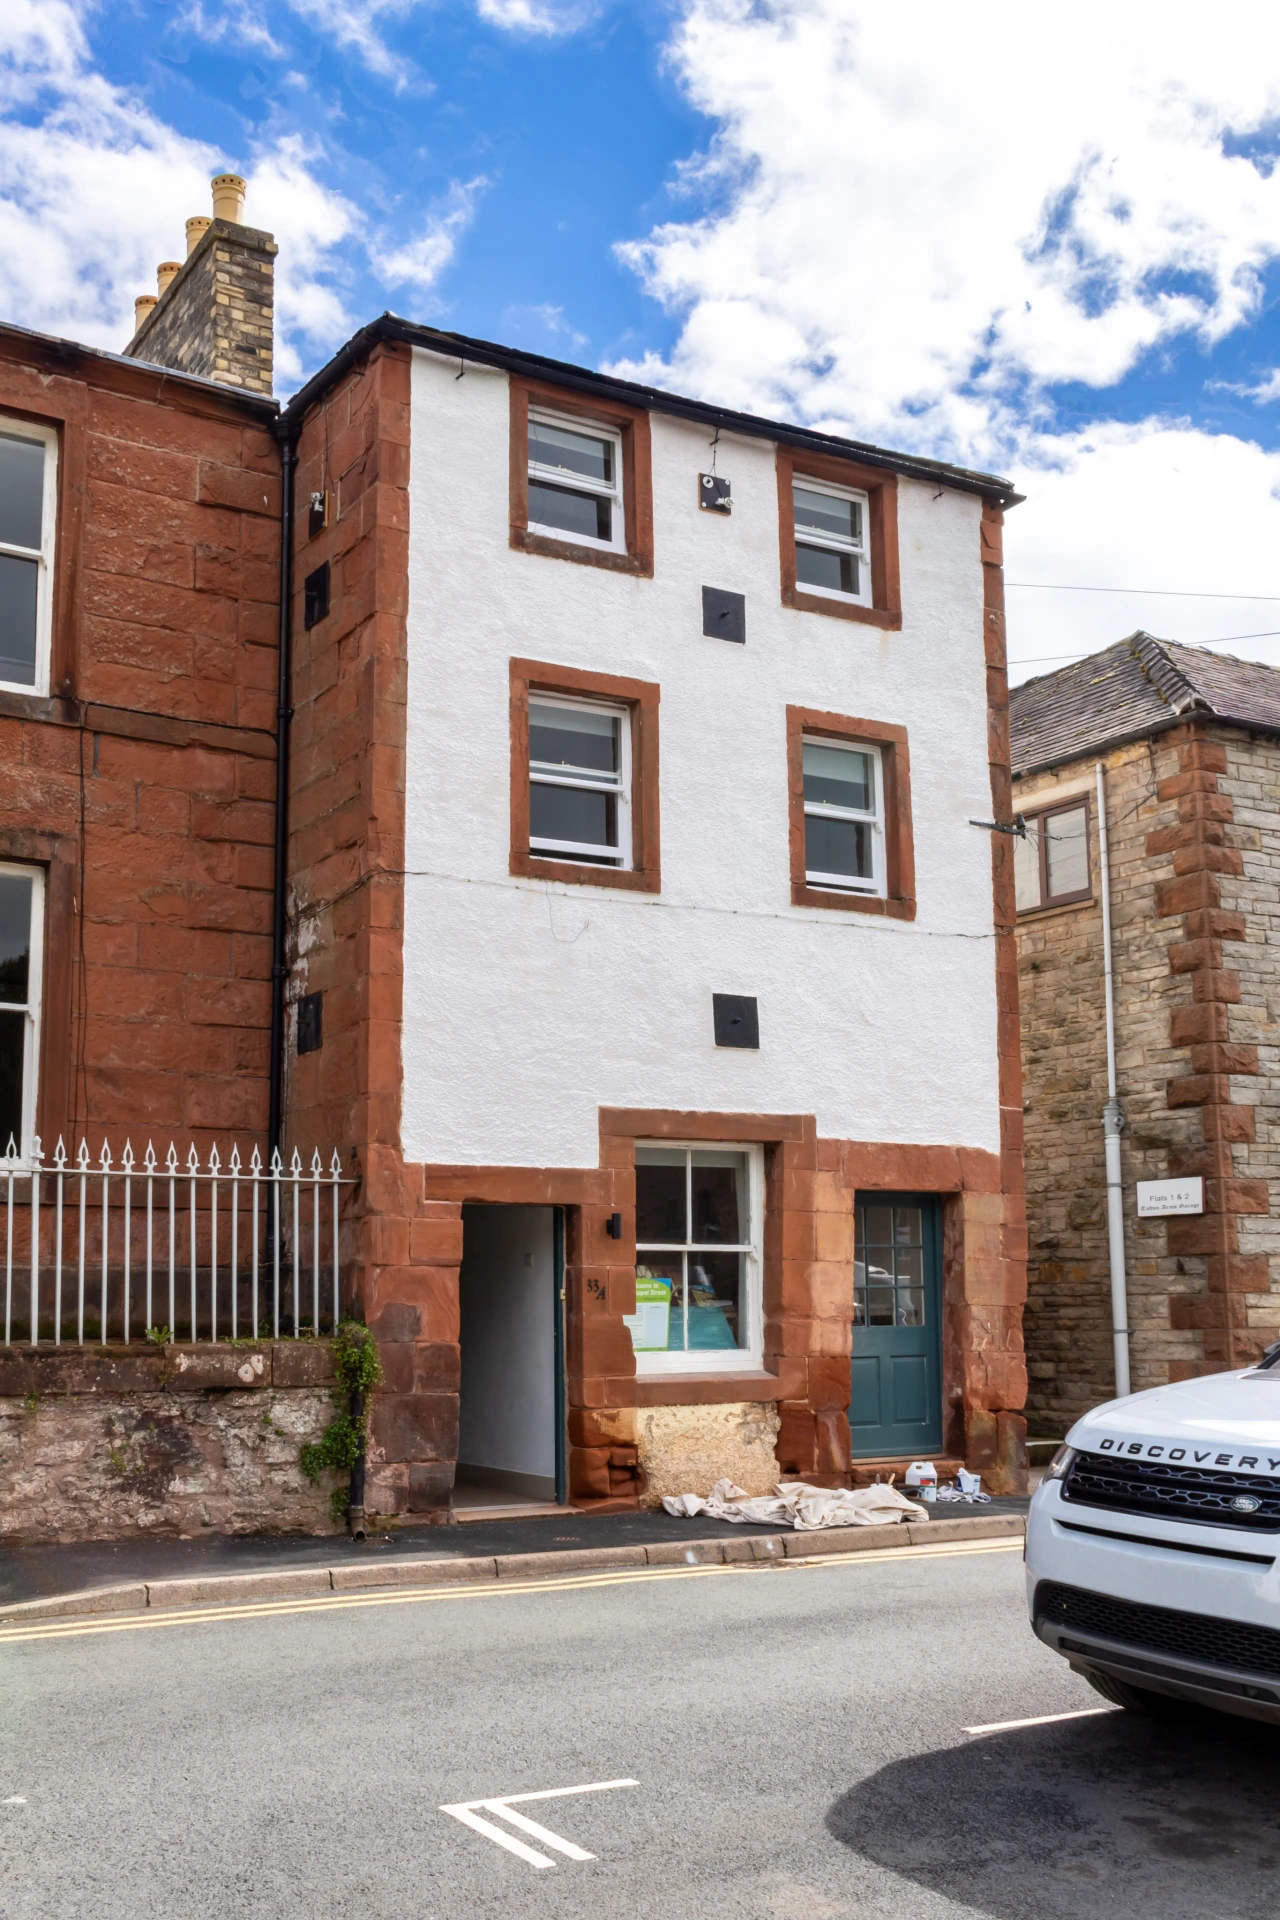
[159,1336]
[355,1362]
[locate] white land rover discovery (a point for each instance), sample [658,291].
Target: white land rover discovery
[1153,1546]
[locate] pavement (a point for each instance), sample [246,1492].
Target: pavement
[790,1741]
[33,1573]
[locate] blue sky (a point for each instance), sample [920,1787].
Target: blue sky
[955,230]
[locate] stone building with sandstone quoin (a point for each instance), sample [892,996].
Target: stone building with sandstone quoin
[624,924]
[1189,746]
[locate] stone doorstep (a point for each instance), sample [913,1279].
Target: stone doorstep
[243,1589]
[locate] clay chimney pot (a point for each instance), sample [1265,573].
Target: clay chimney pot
[197,227]
[228,198]
[165,273]
[142,309]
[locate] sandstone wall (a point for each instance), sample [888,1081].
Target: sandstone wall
[687,1449]
[1194,824]
[144,782]
[100,1444]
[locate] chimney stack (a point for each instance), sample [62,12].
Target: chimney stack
[214,311]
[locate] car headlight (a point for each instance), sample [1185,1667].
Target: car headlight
[1060,1464]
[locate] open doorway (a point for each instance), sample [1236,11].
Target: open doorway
[511,1411]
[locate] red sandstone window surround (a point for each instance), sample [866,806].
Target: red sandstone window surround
[847,538]
[889,883]
[593,489]
[1052,866]
[584,777]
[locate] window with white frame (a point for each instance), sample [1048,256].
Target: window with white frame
[579,780]
[833,552]
[21,945]
[575,482]
[843,817]
[698,1232]
[28,504]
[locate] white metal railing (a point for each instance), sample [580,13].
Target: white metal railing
[137,1248]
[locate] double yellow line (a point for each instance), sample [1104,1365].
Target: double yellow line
[417,1596]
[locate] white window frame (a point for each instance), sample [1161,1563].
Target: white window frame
[32,1009]
[877,887]
[745,1359]
[579,483]
[861,549]
[618,784]
[43,555]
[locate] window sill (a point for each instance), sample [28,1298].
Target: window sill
[886,909]
[887,617]
[705,1389]
[1067,905]
[529,866]
[526,541]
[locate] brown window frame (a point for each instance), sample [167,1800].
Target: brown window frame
[898,902]
[1082,895]
[881,489]
[632,423]
[640,697]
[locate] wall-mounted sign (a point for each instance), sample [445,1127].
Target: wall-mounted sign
[1162,1197]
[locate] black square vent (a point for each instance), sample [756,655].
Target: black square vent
[737,1019]
[714,494]
[310,1023]
[724,615]
[315,596]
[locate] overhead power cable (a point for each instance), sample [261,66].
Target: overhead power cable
[1223,640]
[1160,593]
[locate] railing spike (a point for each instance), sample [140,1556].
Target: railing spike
[234,1162]
[82,1158]
[276,1162]
[335,1165]
[255,1162]
[126,1158]
[171,1158]
[37,1151]
[295,1165]
[104,1158]
[60,1155]
[317,1165]
[149,1158]
[215,1163]
[193,1159]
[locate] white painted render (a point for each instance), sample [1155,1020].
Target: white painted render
[530,1004]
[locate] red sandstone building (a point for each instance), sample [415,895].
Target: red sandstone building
[624,924]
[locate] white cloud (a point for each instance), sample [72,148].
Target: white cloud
[926,214]
[922,218]
[94,192]
[420,262]
[543,17]
[1147,505]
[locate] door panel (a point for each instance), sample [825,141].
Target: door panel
[910,1389]
[896,1401]
[865,1411]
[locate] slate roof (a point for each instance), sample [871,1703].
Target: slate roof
[1139,686]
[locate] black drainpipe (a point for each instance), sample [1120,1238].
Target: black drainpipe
[279,969]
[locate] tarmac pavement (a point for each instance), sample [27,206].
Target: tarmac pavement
[785,1741]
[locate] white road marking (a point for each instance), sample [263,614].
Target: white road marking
[1041,1720]
[468,1812]
[14,1800]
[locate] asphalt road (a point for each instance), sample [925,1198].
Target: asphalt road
[795,1735]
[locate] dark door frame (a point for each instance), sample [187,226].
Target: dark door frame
[561,1395]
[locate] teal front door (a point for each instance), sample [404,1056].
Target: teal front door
[896,1403]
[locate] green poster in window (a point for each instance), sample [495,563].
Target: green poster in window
[650,1324]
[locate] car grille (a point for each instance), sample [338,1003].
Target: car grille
[1177,1492]
[1187,1636]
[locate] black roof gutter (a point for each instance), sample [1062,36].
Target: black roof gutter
[535,366]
